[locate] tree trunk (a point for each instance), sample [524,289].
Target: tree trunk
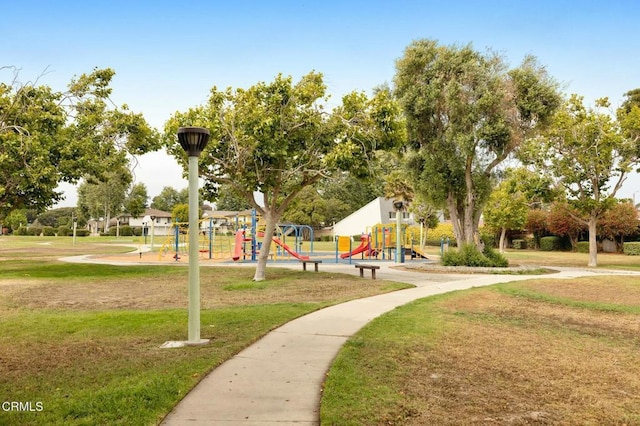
[263,256]
[503,238]
[455,219]
[593,245]
[469,204]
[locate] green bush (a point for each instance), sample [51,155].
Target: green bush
[48,231]
[22,230]
[519,244]
[82,232]
[469,255]
[64,231]
[551,243]
[137,231]
[631,248]
[489,240]
[127,231]
[496,259]
[34,231]
[582,246]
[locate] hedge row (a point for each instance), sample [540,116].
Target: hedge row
[631,249]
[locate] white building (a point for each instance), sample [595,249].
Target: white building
[161,221]
[378,211]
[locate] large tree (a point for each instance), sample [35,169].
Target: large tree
[466,114]
[137,200]
[590,157]
[170,197]
[106,197]
[276,138]
[48,137]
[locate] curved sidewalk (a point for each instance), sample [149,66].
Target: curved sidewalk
[278,380]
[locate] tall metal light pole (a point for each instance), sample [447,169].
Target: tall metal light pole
[398,206]
[193,140]
[153,228]
[75,227]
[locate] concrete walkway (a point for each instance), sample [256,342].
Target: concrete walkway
[278,380]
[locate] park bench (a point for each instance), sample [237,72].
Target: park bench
[373,269]
[315,264]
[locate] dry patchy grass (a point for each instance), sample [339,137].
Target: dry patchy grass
[536,352]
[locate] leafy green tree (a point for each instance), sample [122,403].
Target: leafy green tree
[104,199]
[277,139]
[169,197]
[229,199]
[136,201]
[309,208]
[629,117]
[48,137]
[180,213]
[60,216]
[466,114]
[397,187]
[345,193]
[15,219]
[506,210]
[588,155]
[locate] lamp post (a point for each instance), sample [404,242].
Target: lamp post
[75,226]
[153,228]
[145,232]
[398,206]
[193,140]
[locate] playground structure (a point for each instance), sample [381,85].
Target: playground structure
[378,242]
[243,244]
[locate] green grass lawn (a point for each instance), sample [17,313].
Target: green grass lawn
[82,341]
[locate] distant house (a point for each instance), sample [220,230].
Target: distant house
[378,211]
[158,219]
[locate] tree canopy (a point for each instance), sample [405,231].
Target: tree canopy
[48,137]
[276,138]
[589,155]
[169,197]
[466,113]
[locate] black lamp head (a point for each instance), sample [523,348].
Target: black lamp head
[193,139]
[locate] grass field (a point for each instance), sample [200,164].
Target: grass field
[562,352]
[82,341]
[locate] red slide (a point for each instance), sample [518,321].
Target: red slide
[364,246]
[237,249]
[288,250]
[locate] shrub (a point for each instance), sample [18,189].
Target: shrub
[469,255]
[631,248]
[496,259]
[519,244]
[48,231]
[82,232]
[582,246]
[551,243]
[137,231]
[488,239]
[34,231]
[126,231]
[64,231]
[22,230]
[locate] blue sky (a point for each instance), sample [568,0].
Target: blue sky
[168,54]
